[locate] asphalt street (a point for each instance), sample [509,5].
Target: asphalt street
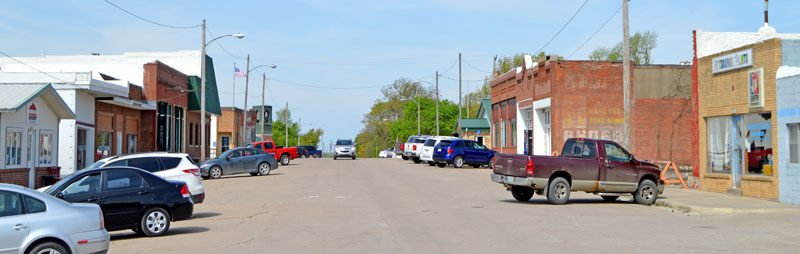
[396,206]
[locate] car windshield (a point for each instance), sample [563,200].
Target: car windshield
[344,142]
[95,165]
[430,142]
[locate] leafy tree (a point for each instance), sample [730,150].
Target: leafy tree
[284,116]
[642,44]
[472,100]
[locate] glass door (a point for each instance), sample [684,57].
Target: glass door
[31,160]
[738,147]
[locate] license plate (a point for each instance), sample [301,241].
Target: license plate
[439,150]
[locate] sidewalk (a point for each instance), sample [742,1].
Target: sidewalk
[704,202]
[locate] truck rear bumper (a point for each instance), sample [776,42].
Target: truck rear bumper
[536,183]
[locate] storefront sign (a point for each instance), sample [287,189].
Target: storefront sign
[732,61]
[755,79]
[33,115]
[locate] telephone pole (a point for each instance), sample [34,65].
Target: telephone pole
[234,140]
[626,75]
[437,103]
[246,85]
[286,124]
[459,87]
[263,117]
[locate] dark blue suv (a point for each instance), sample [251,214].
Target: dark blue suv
[461,151]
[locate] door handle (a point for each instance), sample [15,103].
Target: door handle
[19,227]
[142,192]
[92,199]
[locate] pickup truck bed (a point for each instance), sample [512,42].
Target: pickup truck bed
[584,165]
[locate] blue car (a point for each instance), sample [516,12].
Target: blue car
[461,151]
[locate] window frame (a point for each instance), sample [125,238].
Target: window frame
[107,188]
[794,154]
[26,209]
[46,160]
[15,152]
[20,203]
[609,157]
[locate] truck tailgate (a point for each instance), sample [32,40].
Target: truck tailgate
[510,164]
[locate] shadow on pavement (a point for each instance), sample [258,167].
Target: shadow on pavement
[205,215]
[172,231]
[243,176]
[575,201]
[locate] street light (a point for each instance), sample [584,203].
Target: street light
[247,83]
[263,87]
[203,87]
[437,99]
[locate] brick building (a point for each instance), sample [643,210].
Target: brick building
[535,108]
[478,128]
[230,129]
[744,145]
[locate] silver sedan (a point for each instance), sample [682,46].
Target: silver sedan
[32,222]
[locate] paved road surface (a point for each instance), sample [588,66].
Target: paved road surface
[395,206]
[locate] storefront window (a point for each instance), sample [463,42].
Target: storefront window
[495,138]
[131,143]
[514,132]
[103,142]
[741,143]
[503,133]
[794,138]
[80,154]
[161,127]
[46,148]
[13,147]
[226,143]
[177,145]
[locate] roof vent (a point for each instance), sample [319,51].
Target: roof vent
[95,54]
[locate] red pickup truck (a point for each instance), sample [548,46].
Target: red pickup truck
[591,165]
[283,155]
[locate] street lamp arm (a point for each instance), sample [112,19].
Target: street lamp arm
[268,65]
[238,36]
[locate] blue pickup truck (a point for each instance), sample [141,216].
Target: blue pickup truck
[309,151]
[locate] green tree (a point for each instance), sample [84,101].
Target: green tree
[642,44]
[284,116]
[472,100]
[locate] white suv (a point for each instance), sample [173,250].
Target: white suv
[170,166]
[427,148]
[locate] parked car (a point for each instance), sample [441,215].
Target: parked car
[427,148]
[310,151]
[460,152]
[170,166]
[239,161]
[398,150]
[344,148]
[130,198]
[283,155]
[386,153]
[591,165]
[33,222]
[413,147]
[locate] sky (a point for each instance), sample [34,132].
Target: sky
[345,46]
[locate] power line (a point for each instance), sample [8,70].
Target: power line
[45,73]
[595,32]
[223,47]
[562,28]
[325,87]
[475,68]
[451,67]
[465,80]
[149,21]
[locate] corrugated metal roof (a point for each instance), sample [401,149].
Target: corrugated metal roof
[14,96]
[474,123]
[212,95]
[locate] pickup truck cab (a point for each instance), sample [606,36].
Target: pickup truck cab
[591,165]
[283,155]
[413,147]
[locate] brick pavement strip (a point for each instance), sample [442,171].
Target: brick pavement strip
[394,206]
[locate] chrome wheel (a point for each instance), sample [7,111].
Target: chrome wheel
[561,190]
[647,193]
[458,162]
[156,222]
[285,159]
[216,172]
[263,169]
[48,251]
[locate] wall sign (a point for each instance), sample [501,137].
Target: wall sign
[33,114]
[732,61]
[755,90]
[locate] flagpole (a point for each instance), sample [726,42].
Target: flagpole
[231,139]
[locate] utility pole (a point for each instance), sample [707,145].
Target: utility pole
[246,85]
[234,142]
[203,94]
[626,75]
[286,124]
[418,119]
[459,87]
[299,121]
[263,117]
[437,103]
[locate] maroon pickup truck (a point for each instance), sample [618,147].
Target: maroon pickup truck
[591,165]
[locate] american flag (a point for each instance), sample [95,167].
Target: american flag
[238,73]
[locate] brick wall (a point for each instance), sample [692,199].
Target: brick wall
[161,83]
[724,93]
[20,176]
[662,130]
[113,118]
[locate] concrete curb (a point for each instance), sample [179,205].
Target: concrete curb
[710,210]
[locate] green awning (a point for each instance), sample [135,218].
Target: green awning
[212,96]
[474,124]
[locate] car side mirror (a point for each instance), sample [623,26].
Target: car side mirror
[227,158]
[60,195]
[632,159]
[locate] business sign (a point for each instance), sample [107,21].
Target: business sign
[755,90]
[33,114]
[732,61]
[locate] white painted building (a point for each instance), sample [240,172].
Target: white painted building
[29,124]
[78,90]
[213,136]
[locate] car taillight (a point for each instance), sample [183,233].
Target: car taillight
[185,192]
[529,167]
[449,150]
[415,147]
[102,220]
[193,171]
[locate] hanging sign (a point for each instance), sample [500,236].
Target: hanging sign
[33,114]
[755,88]
[732,61]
